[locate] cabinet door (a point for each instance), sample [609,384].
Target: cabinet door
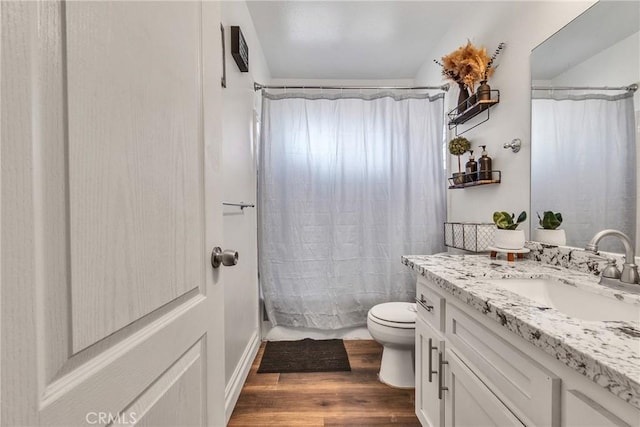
[429,408]
[468,402]
[509,373]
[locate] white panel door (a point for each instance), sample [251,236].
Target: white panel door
[110,131]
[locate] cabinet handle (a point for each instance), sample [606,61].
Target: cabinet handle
[423,302]
[441,363]
[431,371]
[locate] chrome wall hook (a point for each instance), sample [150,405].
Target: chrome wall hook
[515,145]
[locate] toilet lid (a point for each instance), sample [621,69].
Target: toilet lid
[396,312]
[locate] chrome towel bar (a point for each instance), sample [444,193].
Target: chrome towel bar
[241,205]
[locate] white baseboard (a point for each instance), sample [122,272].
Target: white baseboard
[234,387]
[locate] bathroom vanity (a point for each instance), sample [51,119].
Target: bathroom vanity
[488,355]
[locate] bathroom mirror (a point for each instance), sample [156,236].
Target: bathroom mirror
[584,139]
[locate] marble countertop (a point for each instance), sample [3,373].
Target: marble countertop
[607,352]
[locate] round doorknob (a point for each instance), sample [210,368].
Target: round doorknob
[227,257]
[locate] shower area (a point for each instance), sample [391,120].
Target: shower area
[349,179]
[585,149]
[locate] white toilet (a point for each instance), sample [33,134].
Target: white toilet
[393,324]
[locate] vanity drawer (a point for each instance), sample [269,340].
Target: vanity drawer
[508,372]
[581,411]
[431,304]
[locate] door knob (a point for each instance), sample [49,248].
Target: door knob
[228,257]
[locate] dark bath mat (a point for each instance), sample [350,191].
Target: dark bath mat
[304,356]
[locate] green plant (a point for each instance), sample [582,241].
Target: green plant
[504,221]
[458,146]
[550,220]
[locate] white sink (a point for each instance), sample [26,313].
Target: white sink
[572,301]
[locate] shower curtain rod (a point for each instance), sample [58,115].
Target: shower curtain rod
[630,88]
[258,86]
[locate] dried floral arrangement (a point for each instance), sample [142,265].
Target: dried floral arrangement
[469,65]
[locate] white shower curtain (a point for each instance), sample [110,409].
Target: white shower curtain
[584,163]
[347,184]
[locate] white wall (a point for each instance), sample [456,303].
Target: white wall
[618,65]
[239,184]
[522,26]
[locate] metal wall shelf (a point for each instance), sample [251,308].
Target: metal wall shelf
[473,108]
[496,177]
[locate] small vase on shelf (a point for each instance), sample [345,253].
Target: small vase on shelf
[458,178]
[462,98]
[484,91]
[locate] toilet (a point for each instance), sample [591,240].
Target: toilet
[393,324]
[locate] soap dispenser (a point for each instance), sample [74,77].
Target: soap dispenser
[471,169]
[485,165]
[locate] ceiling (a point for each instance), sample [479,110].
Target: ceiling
[351,39]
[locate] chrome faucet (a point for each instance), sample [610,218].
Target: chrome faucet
[629,268]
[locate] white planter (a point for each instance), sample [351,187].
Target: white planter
[550,237]
[508,239]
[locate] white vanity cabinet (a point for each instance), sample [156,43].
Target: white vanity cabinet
[472,371]
[452,395]
[448,392]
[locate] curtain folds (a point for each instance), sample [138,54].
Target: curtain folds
[347,184]
[584,164]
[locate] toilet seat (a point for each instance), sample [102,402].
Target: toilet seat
[401,315]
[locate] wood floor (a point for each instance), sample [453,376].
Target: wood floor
[353,398]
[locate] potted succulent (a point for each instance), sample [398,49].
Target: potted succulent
[550,233]
[458,146]
[506,235]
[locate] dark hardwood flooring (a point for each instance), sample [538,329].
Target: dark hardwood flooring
[334,399]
